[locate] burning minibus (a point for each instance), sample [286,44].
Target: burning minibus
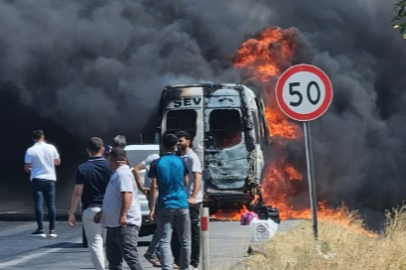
[228,130]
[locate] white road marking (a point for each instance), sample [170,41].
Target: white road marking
[26,258]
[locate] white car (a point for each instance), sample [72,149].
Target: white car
[136,154]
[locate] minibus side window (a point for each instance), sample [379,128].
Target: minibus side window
[225,127]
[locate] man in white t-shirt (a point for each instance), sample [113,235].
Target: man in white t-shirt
[40,161]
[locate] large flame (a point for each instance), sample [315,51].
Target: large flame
[263,59]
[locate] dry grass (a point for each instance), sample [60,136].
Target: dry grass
[348,248]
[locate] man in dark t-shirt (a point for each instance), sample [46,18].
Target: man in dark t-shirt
[90,186]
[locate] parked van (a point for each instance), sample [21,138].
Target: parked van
[136,154]
[227,126]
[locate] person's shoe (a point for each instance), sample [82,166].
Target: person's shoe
[38,233]
[175,266]
[152,259]
[52,233]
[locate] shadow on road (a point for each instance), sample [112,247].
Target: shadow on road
[64,245]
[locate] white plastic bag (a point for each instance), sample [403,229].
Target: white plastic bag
[262,230]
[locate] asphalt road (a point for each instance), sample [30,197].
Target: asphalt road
[18,250]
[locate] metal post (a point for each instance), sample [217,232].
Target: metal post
[205,238]
[310,175]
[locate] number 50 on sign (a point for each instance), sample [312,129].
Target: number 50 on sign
[304,92]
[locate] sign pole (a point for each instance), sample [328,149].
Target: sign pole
[310,176]
[204,237]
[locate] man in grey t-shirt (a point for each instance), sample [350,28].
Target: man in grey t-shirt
[121,214]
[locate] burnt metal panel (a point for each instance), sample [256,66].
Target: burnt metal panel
[227,168]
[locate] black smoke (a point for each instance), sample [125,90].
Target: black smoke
[96,68]
[359,143]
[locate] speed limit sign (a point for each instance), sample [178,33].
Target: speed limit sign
[304,92]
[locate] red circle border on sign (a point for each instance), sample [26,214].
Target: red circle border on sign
[327,85]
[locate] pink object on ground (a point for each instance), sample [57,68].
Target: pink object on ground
[247,217]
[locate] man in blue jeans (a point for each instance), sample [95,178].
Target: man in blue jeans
[195,193]
[169,176]
[40,161]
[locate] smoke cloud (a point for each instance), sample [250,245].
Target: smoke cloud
[96,68]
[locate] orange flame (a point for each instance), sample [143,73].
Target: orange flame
[280,125]
[263,59]
[266,55]
[279,185]
[229,214]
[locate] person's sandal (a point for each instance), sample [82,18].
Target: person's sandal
[152,259]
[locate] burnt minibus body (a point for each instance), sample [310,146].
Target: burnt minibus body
[227,126]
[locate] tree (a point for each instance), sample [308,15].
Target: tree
[399,21]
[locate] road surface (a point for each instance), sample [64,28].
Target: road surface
[18,250]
